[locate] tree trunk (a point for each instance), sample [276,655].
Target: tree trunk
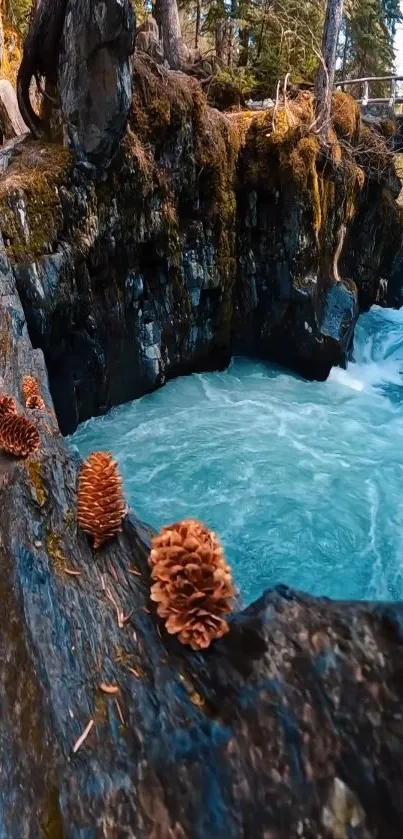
[198,22]
[11,122]
[325,78]
[345,52]
[1,39]
[244,37]
[171,32]
[156,14]
[219,34]
[231,33]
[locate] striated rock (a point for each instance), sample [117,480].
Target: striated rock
[290,726]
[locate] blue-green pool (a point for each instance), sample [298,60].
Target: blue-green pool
[302,480]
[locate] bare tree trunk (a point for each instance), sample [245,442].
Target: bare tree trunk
[244,37]
[11,121]
[198,22]
[156,14]
[345,52]
[231,33]
[1,38]
[219,35]
[325,78]
[171,32]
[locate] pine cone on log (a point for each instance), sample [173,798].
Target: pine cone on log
[32,393]
[101,502]
[193,587]
[18,435]
[8,405]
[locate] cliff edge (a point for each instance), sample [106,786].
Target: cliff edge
[210,233]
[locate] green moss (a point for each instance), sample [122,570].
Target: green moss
[35,471]
[100,714]
[346,116]
[71,518]
[30,210]
[54,550]
[52,821]
[5,345]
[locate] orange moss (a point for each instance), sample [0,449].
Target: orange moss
[161,99]
[12,55]
[34,177]
[346,116]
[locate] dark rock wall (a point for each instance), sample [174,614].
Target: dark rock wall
[95,80]
[205,236]
[290,727]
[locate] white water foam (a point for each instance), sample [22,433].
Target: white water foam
[302,480]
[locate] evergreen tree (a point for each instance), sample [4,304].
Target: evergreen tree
[368,36]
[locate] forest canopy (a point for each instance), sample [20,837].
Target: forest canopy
[253,44]
[257,42]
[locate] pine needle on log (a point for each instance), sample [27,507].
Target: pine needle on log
[83,737]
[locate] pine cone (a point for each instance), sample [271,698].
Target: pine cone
[32,393]
[193,585]
[18,435]
[101,502]
[8,405]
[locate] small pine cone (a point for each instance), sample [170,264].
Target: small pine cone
[101,502]
[18,435]
[32,393]
[193,583]
[8,406]
[35,403]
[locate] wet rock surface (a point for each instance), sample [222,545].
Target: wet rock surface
[290,726]
[203,238]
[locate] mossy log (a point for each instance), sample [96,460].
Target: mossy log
[290,726]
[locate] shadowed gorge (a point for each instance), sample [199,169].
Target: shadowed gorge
[151,235]
[210,233]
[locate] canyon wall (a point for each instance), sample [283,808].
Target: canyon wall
[209,234]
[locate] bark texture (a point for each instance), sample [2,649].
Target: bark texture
[11,122]
[1,38]
[171,32]
[325,78]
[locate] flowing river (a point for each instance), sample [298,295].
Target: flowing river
[303,481]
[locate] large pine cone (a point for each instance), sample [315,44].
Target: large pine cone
[101,502]
[193,585]
[32,393]
[18,435]
[8,405]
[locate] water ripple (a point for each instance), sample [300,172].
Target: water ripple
[301,479]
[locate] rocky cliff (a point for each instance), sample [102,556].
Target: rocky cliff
[210,233]
[290,727]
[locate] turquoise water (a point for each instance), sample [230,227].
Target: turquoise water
[302,480]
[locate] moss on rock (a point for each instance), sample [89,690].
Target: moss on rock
[30,209]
